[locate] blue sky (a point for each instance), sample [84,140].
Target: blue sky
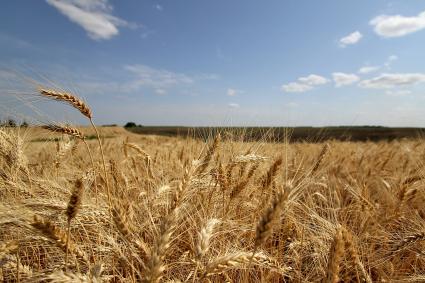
[241,62]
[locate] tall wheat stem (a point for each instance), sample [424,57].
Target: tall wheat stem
[104,165]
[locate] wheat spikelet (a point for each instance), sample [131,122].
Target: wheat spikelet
[121,221]
[13,265]
[265,225]
[210,152]
[68,277]
[335,253]
[221,178]
[74,203]
[239,259]
[271,173]
[63,150]
[8,247]
[249,158]
[410,239]
[71,99]
[144,154]
[156,264]
[349,245]
[204,237]
[58,236]
[65,130]
[320,158]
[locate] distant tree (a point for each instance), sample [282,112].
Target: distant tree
[130,125]
[10,123]
[24,124]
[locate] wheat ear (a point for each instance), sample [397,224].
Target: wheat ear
[349,244]
[65,130]
[66,97]
[335,253]
[74,205]
[58,236]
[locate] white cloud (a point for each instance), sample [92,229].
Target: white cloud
[313,80]
[233,92]
[368,69]
[159,7]
[350,39]
[233,105]
[304,83]
[342,79]
[94,16]
[397,25]
[296,87]
[398,92]
[393,80]
[371,69]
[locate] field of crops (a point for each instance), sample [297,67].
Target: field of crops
[168,209]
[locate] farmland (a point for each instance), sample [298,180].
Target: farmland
[185,209]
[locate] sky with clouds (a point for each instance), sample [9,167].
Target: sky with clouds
[232,63]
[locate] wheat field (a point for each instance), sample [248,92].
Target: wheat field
[122,207]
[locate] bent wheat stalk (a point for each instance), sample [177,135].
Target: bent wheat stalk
[84,109]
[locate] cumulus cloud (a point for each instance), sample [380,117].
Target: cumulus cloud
[94,16]
[393,80]
[313,80]
[296,87]
[304,83]
[397,25]
[159,7]
[368,69]
[350,39]
[342,79]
